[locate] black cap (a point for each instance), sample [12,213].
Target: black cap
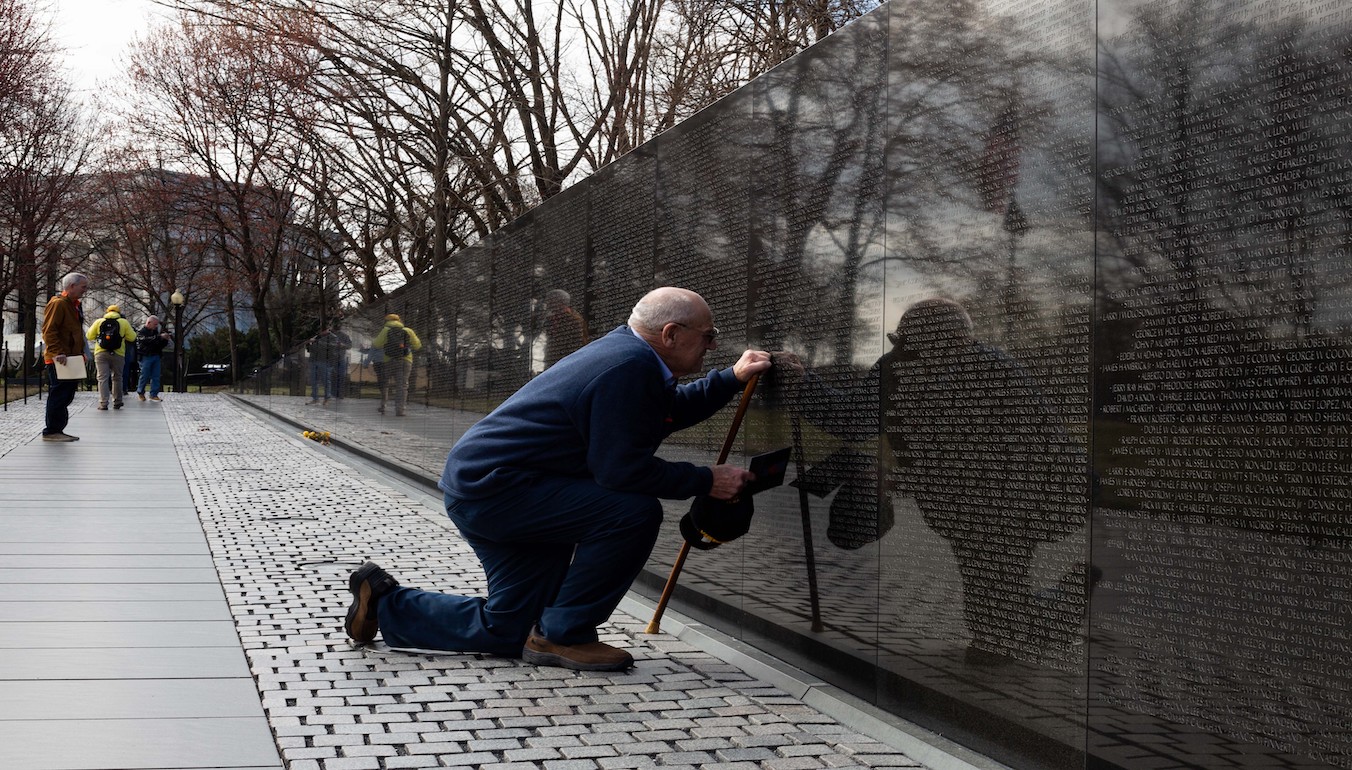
[710,522]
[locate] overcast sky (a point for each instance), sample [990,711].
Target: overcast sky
[95,34]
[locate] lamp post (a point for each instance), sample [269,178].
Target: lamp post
[177,298]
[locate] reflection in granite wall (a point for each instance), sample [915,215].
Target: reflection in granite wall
[1068,292]
[1223,358]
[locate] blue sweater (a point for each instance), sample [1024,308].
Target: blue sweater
[600,413]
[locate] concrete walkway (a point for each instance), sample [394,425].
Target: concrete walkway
[146,563]
[119,649]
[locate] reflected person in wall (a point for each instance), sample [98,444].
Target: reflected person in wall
[845,406]
[963,430]
[342,343]
[991,468]
[397,343]
[328,351]
[565,329]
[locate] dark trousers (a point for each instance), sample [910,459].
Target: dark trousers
[60,394]
[559,553]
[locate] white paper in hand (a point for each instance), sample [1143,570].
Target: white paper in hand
[73,369]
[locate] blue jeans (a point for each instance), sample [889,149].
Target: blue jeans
[60,394]
[320,373]
[150,373]
[559,553]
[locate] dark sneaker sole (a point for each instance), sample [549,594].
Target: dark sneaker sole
[554,659]
[362,623]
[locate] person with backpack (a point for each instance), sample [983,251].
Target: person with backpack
[397,342]
[110,336]
[151,341]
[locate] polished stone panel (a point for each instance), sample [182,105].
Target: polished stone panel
[1222,370]
[1064,291]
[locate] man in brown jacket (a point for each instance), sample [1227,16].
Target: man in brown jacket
[62,337]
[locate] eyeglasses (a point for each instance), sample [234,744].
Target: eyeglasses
[710,337]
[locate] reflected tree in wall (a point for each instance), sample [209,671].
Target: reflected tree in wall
[869,140]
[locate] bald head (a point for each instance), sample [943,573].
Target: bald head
[679,326]
[668,304]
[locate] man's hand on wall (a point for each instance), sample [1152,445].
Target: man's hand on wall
[751,362]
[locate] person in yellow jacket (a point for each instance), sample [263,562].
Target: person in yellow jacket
[110,353]
[396,343]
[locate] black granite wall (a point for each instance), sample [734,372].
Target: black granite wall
[1070,282]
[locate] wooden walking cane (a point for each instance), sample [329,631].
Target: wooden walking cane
[655,625]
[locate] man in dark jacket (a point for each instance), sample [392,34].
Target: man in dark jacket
[557,492]
[151,341]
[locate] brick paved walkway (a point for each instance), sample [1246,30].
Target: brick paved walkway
[285,519]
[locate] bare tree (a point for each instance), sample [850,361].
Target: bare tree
[222,101]
[708,48]
[148,239]
[439,123]
[43,146]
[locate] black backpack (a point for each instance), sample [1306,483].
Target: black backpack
[110,334]
[396,343]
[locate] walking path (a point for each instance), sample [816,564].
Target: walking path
[119,649]
[141,560]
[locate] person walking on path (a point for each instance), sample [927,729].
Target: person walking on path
[151,341]
[110,336]
[557,492]
[62,338]
[397,342]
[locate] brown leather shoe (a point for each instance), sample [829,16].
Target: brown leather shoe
[367,583]
[590,656]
